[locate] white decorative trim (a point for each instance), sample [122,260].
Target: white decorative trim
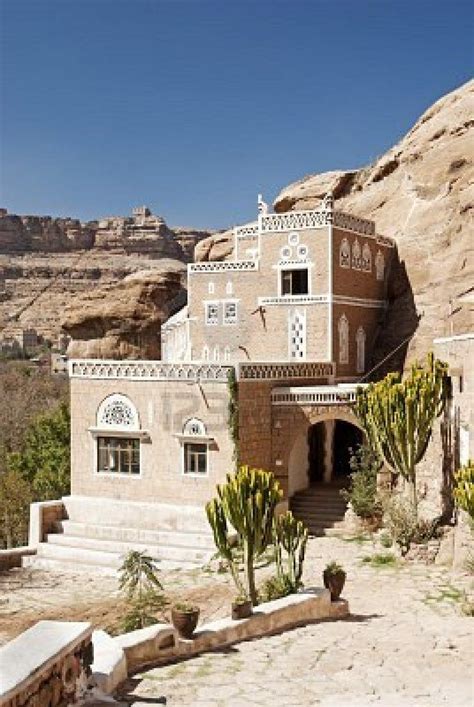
[343,331]
[348,222]
[194,428]
[123,434]
[380,265]
[117,412]
[292,299]
[315,395]
[356,255]
[360,343]
[276,371]
[455,337]
[291,220]
[211,312]
[344,254]
[222,266]
[366,258]
[297,335]
[248,229]
[230,319]
[148,370]
[360,302]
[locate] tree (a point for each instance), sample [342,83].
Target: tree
[398,416]
[44,459]
[247,504]
[15,498]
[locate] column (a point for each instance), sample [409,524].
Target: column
[329,426]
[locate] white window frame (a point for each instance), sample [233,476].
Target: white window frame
[345,252]
[380,265]
[360,342]
[292,315]
[117,474]
[343,348]
[356,256]
[292,265]
[214,321]
[226,320]
[117,431]
[194,432]
[366,258]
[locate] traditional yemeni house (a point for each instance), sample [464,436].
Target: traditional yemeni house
[293,317]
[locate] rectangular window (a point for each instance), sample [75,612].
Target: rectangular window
[230,312]
[212,313]
[195,458]
[294,282]
[117,455]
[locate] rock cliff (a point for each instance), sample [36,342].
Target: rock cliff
[421,193]
[48,263]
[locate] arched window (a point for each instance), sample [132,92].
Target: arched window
[360,341]
[195,445]
[119,413]
[205,352]
[343,330]
[229,288]
[227,353]
[345,254]
[380,265]
[210,288]
[366,258]
[356,255]
[217,353]
[118,436]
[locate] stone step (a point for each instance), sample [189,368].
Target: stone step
[136,535]
[49,564]
[315,510]
[331,507]
[174,553]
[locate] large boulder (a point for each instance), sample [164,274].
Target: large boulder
[124,320]
[421,193]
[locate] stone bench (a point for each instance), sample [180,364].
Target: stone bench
[46,665]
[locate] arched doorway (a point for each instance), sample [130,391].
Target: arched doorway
[330,445]
[347,438]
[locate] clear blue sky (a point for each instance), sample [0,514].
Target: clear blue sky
[192,107]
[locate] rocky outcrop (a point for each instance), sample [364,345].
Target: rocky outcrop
[421,192]
[123,320]
[47,263]
[219,246]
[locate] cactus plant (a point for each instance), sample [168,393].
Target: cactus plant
[246,503]
[464,488]
[290,536]
[398,415]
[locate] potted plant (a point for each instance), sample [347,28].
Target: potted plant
[241,607]
[185,618]
[334,578]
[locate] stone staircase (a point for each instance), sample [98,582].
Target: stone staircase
[78,545]
[321,507]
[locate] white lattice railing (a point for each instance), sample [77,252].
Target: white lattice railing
[354,223]
[315,395]
[295,220]
[223,266]
[248,229]
[275,371]
[293,299]
[148,370]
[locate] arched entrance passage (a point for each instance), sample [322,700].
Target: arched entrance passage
[321,450]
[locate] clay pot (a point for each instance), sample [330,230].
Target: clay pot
[241,610]
[185,622]
[334,582]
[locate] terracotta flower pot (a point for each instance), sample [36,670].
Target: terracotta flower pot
[241,610]
[185,622]
[334,582]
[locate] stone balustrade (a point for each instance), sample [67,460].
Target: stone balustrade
[46,666]
[315,395]
[148,370]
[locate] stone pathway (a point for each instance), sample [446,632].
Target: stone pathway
[406,644]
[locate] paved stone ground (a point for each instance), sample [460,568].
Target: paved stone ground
[406,644]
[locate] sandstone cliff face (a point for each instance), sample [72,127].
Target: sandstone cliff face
[421,192]
[46,263]
[123,319]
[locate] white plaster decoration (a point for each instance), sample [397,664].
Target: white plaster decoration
[360,341]
[366,258]
[194,428]
[285,252]
[297,335]
[227,353]
[211,288]
[229,288]
[217,354]
[292,299]
[117,412]
[383,240]
[212,313]
[315,395]
[345,254]
[343,331]
[295,220]
[230,312]
[205,352]
[294,238]
[222,266]
[302,251]
[354,223]
[248,229]
[356,255]
[360,302]
[262,205]
[276,371]
[148,370]
[380,265]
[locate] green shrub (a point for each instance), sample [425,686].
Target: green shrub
[382,559]
[403,525]
[464,488]
[362,492]
[142,588]
[276,587]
